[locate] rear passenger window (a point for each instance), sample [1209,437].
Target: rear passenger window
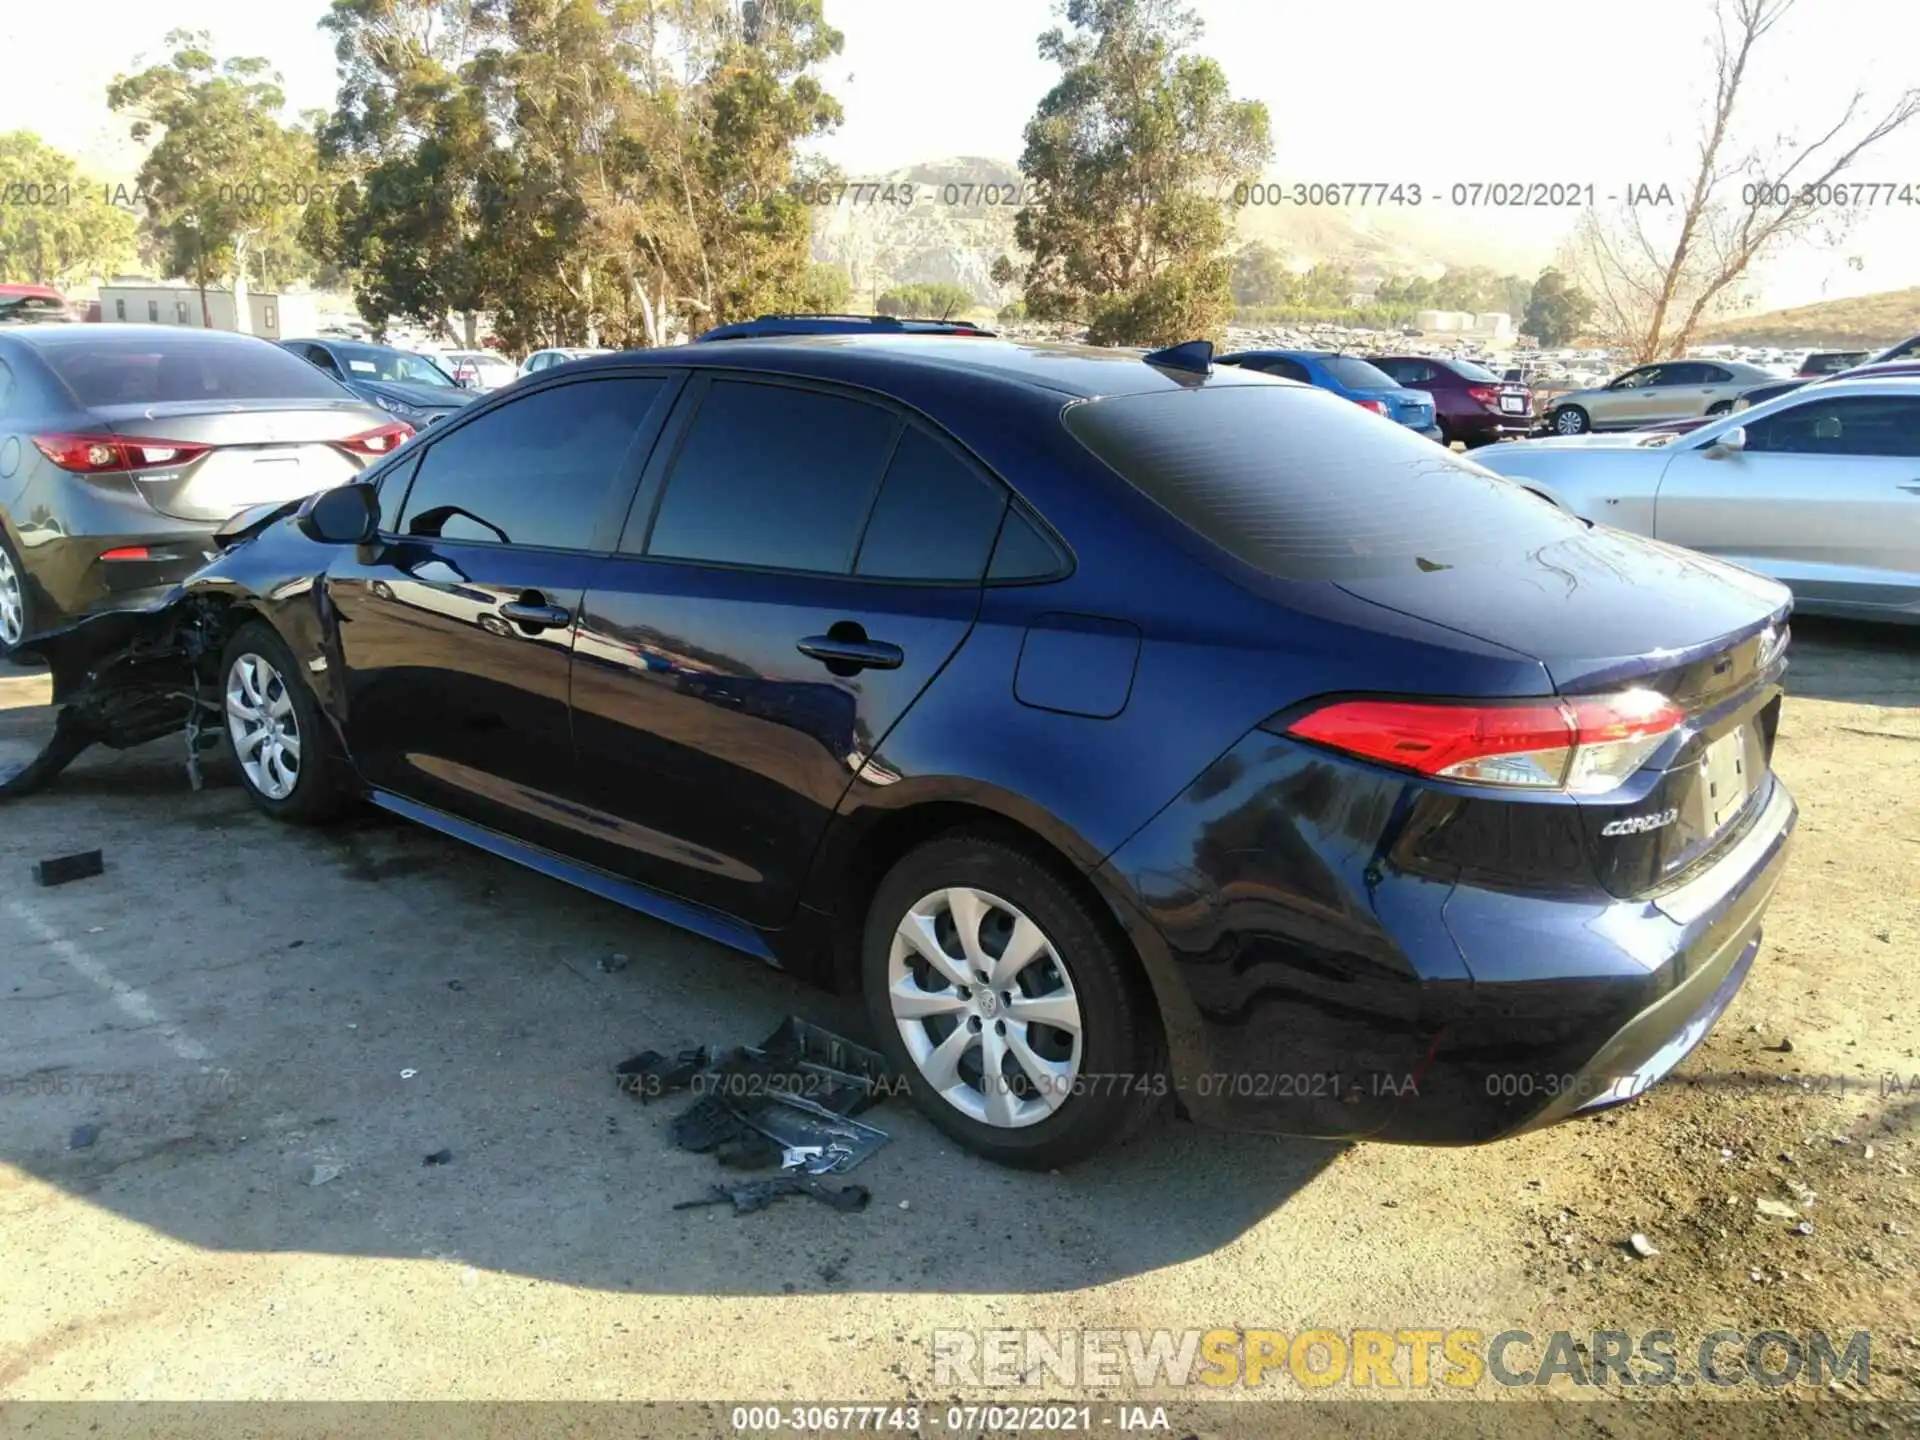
[539,470]
[1023,552]
[773,476]
[936,517]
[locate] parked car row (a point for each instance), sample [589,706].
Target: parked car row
[1121,726]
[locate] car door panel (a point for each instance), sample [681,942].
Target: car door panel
[719,748]
[715,708]
[456,634]
[1839,527]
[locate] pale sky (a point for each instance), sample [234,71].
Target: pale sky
[1406,90]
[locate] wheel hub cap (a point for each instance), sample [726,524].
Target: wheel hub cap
[265,730]
[13,609]
[985,1007]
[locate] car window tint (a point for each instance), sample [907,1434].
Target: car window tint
[1023,552]
[1285,369]
[1355,373]
[1885,425]
[1305,486]
[1714,374]
[936,517]
[535,471]
[393,491]
[773,476]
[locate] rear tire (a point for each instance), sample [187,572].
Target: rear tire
[1571,420]
[16,598]
[284,747]
[1062,1012]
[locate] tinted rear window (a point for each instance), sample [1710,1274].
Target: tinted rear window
[1357,374]
[136,370]
[1479,374]
[1305,486]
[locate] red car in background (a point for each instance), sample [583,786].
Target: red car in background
[1471,404]
[33,304]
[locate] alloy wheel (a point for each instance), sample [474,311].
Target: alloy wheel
[13,603]
[985,1007]
[1568,422]
[265,730]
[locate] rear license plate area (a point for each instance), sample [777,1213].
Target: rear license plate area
[1730,771]
[1512,404]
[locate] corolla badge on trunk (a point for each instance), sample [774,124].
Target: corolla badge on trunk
[1640,824]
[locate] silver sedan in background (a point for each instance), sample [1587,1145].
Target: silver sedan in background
[1818,488]
[1648,394]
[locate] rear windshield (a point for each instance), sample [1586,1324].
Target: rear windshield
[1304,486]
[1466,369]
[137,370]
[1358,374]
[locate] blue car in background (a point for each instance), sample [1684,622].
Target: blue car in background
[1349,377]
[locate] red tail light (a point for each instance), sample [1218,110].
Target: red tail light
[127,552]
[379,441]
[1378,407]
[1583,746]
[97,454]
[1485,394]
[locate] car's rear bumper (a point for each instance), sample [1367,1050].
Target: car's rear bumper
[70,579]
[1312,987]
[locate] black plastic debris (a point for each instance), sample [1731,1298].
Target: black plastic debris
[751,1195]
[83,1137]
[439,1157]
[790,1099]
[65,868]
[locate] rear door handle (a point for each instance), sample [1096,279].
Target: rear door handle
[854,654]
[536,613]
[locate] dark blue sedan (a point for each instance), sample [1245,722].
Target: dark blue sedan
[1125,728]
[398,381]
[1349,377]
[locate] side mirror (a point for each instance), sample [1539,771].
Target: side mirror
[349,515]
[1732,442]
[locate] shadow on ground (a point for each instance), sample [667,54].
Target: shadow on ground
[238,1006]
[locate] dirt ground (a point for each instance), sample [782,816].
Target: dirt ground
[234,1003]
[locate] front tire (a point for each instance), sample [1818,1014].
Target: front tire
[282,744]
[1571,420]
[1021,1028]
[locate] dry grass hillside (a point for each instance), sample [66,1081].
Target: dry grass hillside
[1864,320]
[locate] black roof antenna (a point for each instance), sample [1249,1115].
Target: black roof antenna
[1195,355]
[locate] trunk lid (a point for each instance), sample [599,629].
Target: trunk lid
[262,451]
[1600,609]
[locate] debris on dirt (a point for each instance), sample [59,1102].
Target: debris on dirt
[748,1152]
[83,1136]
[1642,1246]
[456,984]
[1785,1047]
[408,1074]
[613,964]
[1805,1227]
[64,869]
[439,1157]
[1776,1209]
[751,1195]
[789,1100]
[321,1174]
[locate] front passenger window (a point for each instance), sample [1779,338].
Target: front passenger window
[1883,425]
[538,470]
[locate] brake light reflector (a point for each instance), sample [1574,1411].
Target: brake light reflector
[1485,394]
[1584,746]
[378,441]
[127,552]
[97,454]
[1378,407]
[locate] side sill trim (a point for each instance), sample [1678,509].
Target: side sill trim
[696,918]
